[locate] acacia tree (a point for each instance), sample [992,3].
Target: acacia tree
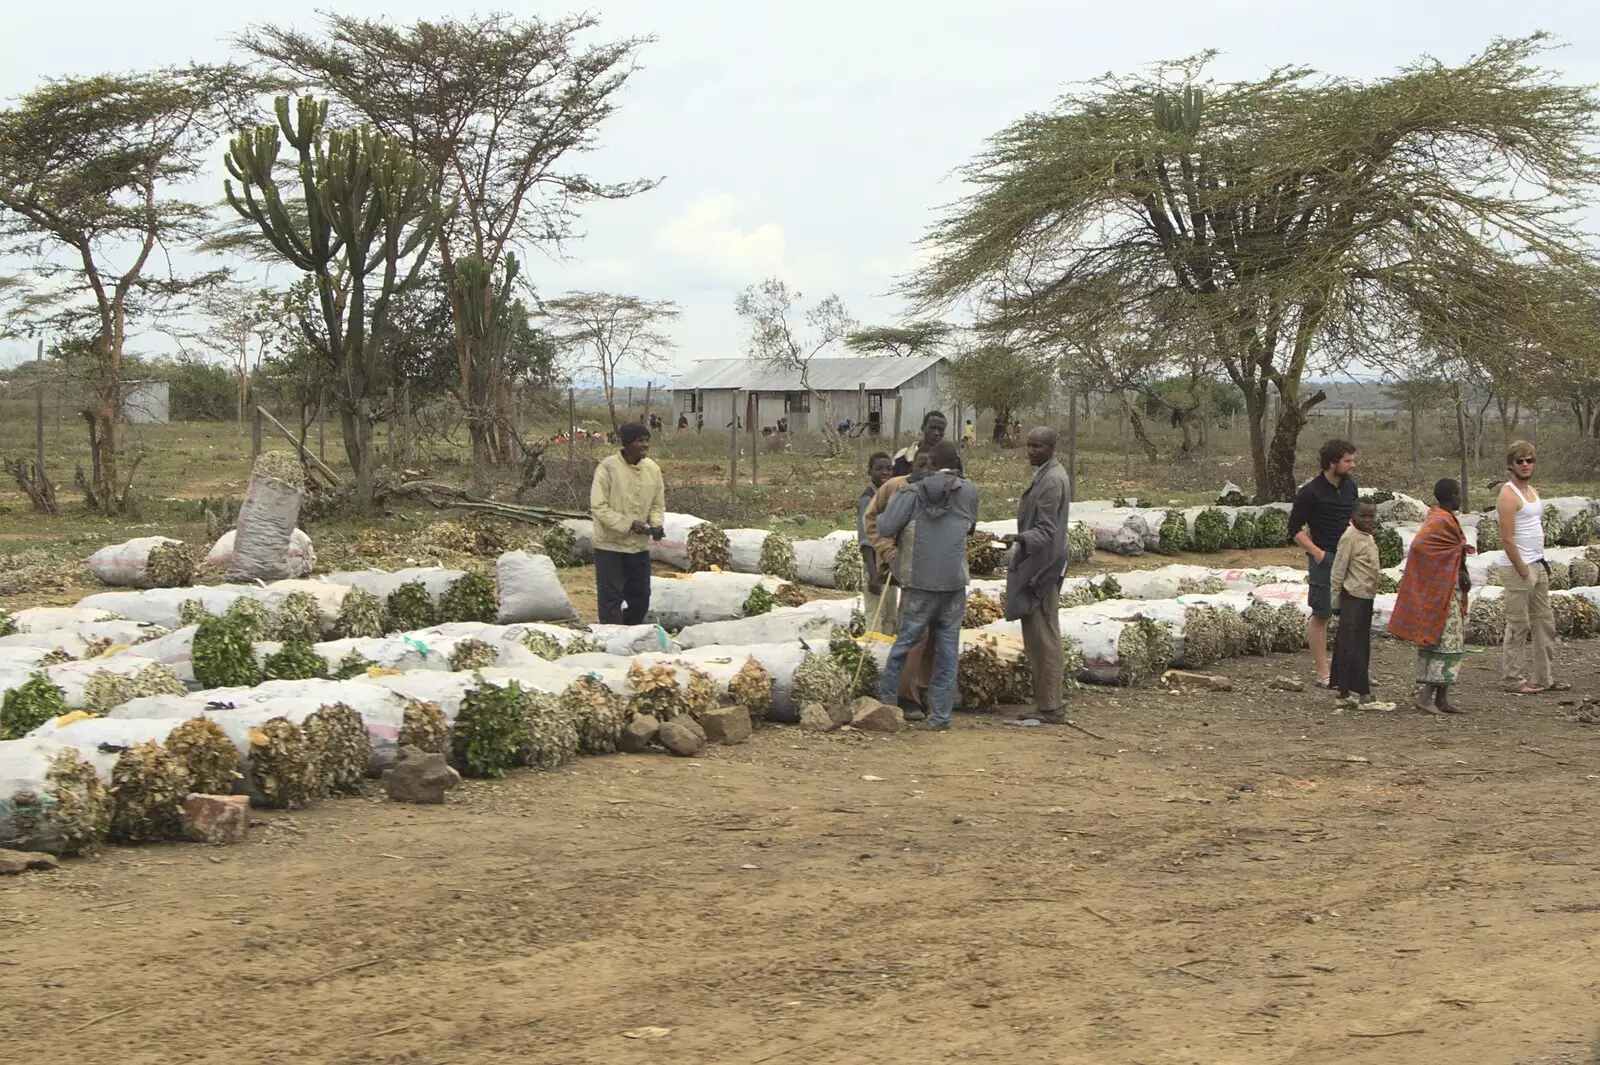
[369,214]
[1289,213]
[235,316]
[993,375]
[913,338]
[782,344]
[606,332]
[89,169]
[495,108]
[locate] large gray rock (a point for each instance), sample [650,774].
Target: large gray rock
[682,737]
[638,734]
[726,724]
[814,717]
[420,777]
[869,715]
[13,862]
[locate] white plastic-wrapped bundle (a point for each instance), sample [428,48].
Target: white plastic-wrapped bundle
[435,579]
[529,589]
[45,618]
[48,641]
[42,809]
[817,561]
[125,565]
[444,688]
[695,598]
[300,560]
[673,549]
[163,606]
[73,677]
[780,660]
[815,619]
[632,639]
[1165,582]
[745,547]
[175,650]
[21,658]
[1120,534]
[582,530]
[329,597]
[1100,639]
[1280,593]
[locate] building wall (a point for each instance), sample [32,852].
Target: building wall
[145,403]
[927,391]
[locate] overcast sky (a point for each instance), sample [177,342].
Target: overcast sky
[814,141]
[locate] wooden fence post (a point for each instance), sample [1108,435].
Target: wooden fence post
[38,416]
[1072,446]
[733,445]
[896,445]
[255,436]
[753,416]
[648,385]
[861,429]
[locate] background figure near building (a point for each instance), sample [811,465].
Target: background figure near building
[880,601]
[1320,514]
[930,520]
[1039,557]
[1527,657]
[628,501]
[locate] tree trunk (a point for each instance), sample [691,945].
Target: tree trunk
[356,422]
[1139,435]
[1461,439]
[1255,416]
[1281,481]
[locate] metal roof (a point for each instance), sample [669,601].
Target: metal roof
[827,375]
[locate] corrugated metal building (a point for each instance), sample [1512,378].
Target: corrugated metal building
[709,388]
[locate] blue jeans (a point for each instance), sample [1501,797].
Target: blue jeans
[941,612]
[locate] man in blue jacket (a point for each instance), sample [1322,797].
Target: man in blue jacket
[930,520]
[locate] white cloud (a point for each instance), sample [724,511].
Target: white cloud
[711,236]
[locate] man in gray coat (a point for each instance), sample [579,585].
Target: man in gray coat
[1033,576]
[929,520]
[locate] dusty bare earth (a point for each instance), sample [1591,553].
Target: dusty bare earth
[1220,878]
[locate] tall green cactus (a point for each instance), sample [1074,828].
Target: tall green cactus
[482,312]
[367,214]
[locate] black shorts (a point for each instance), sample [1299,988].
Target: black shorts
[1319,596]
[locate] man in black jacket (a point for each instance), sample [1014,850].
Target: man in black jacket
[934,425]
[1319,517]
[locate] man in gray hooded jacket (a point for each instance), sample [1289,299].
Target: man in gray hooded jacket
[930,520]
[1033,576]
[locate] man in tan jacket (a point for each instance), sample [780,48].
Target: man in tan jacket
[918,674]
[628,501]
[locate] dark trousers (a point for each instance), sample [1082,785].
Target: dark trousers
[622,577]
[1352,646]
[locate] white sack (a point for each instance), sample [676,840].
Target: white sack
[702,597]
[530,589]
[673,549]
[123,565]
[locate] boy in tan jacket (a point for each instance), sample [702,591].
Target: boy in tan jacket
[1354,584]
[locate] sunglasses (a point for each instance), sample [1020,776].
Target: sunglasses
[1527,461]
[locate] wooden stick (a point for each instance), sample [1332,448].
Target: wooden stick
[1086,732]
[1098,914]
[345,969]
[102,1017]
[333,478]
[1186,972]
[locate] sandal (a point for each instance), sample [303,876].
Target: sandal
[1559,686]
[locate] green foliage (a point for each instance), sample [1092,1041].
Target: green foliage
[819,679]
[491,729]
[778,558]
[192,612]
[8,624]
[352,665]
[1390,549]
[170,566]
[1273,528]
[251,617]
[223,657]
[1246,531]
[708,548]
[855,660]
[410,608]
[294,661]
[1174,536]
[542,644]
[30,705]
[471,597]
[297,619]
[983,557]
[1210,531]
[360,614]
[1080,543]
[1108,587]
[562,546]
[761,600]
[472,654]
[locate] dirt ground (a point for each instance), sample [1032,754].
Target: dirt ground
[1210,878]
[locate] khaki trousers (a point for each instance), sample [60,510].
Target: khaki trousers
[1041,642]
[1530,641]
